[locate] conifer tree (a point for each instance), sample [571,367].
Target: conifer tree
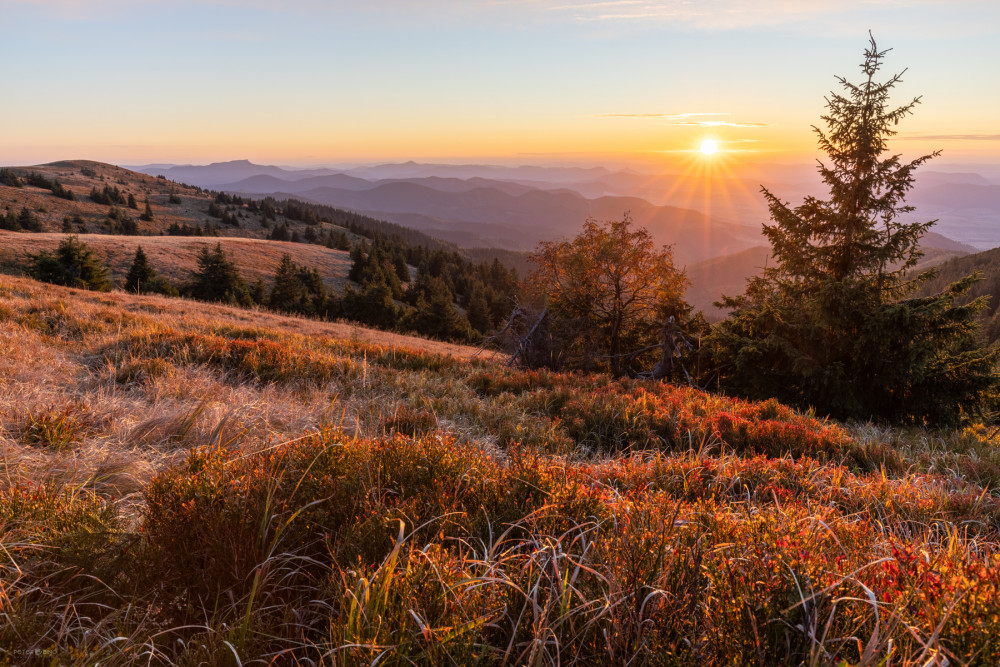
[218,279]
[286,290]
[478,310]
[832,325]
[434,312]
[297,289]
[28,221]
[373,305]
[9,178]
[258,291]
[9,221]
[140,273]
[142,278]
[73,265]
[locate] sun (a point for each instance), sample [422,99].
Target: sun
[709,147]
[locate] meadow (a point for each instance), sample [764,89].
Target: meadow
[189,484]
[176,257]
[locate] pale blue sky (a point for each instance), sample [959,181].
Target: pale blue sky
[315,82]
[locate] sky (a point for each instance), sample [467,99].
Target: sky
[629,82]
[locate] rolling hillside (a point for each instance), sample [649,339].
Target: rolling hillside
[171,204]
[209,485]
[175,257]
[81,176]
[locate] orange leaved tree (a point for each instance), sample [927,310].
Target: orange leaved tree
[609,292]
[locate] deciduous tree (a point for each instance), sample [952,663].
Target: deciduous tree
[616,286]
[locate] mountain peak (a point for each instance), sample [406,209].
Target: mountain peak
[234,163]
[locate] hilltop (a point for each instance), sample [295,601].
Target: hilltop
[197,483]
[81,176]
[189,210]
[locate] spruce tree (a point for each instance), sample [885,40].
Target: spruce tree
[478,310]
[140,273]
[286,290]
[315,296]
[258,291]
[297,289]
[28,221]
[833,324]
[73,265]
[218,279]
[9,178]
[434,312]
[373,305]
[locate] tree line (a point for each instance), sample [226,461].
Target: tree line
[447,297]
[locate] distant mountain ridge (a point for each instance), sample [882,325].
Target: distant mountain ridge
[965,203]
[479,209]
[217,173]
[727,275]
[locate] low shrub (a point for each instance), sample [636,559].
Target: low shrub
[56,429]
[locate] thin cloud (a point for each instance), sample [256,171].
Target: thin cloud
[688,119]
[669,116]
[717,123]
[958,17]
[720,14]
[952,137]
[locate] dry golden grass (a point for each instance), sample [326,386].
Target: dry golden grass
[172,256]
[136,415]
[175,257]
[73,175]
[186,484]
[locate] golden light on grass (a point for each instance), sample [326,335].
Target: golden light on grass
[110,454]
[709,147]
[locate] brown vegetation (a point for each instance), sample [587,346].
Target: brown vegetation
[185,483]
[80,176]
[175,257]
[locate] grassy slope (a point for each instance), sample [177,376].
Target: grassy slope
[182,482]
[173,256]
[176,256]
[51,209]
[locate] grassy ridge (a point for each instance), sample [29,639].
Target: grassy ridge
[190,484]
[176,257]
